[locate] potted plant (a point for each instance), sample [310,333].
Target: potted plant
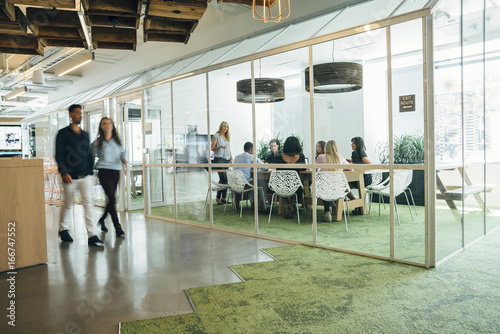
[408,149]
[263,150]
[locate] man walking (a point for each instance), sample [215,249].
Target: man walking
[75,161]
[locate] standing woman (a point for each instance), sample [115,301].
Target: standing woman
[222,155]
[359,156]
[111,154]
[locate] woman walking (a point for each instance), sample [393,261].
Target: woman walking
[111,155]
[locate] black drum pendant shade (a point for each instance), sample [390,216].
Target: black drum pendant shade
[267,90]
[336,77]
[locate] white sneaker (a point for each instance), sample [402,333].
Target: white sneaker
[328,216]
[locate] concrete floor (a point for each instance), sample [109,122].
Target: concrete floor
[88,290]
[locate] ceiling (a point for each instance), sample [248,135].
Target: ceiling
[42,35]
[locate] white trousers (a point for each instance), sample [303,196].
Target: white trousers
[85,187]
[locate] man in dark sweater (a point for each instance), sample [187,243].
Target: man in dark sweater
[75,161]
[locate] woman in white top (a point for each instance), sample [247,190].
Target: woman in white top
[222,155]
[111,154]
[331,156]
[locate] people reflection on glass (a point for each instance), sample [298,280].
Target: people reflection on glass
[111,156]
[292,154]
[331,156]
[222,155]
[274,145]
[320,149]
[359,156]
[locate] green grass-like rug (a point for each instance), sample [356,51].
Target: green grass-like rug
[311,290]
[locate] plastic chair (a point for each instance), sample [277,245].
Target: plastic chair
[284,183]
[238,184]
[377,182]
[216,186]
[401,182]
[332,186]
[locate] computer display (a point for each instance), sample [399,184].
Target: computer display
[10,140]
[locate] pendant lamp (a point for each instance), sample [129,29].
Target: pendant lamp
[335,77]
[267,90]
[265,14]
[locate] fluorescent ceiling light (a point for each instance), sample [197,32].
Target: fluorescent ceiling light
[16,93]
[74,64]
[85,29]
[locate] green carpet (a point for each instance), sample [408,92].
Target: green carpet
[371,236]
[311,290]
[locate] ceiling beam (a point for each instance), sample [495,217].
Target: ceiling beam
[20,44]
[52,17]
[189,10]
[8,8]
[47,3]
[113,7]
[17,27]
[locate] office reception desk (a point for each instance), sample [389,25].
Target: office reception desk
[23,240]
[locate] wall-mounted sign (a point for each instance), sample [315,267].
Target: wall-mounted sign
[407,103]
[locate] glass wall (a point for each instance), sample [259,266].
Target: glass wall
[465,47]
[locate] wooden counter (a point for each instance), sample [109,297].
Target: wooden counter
[22,201]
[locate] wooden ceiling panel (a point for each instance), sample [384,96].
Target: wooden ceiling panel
[54,18]
[250,2]
[20,44]
[102,34]
[161,37]
[58,32]
[113,7]
[7,8]
[67,43]
[47,3]
[115,46]
[168,25]
[102,21]
[17,27]
[189,9]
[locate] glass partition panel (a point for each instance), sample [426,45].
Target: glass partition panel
[353,222]
[366,127]
[366,107]
[53,133]
[408,134]
[492,118]
[282,111]
[158,125]
[225,109]
[473,120]
[409,218]
[289,218]
[447,125]
[42,143]
[190,120]
[191,184]
[160,181]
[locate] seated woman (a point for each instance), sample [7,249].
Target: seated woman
[320,149]
[331,156]
[292,154]
[274,145]
[359,156]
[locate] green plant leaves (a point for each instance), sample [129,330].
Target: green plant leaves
[408,149]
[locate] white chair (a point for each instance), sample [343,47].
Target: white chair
[410,178]
[332,186]
[216,186]
[239,184]
[377,182]
[401,181]
[284,183]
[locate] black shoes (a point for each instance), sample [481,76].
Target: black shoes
[65,237]
[103,225]
[119,232]
[95,241]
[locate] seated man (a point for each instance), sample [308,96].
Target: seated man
[247,158]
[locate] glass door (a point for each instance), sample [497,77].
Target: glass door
[133,142]
[93,120]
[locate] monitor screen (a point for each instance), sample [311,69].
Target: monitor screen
[10,140]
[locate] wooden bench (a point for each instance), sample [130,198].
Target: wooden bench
[459,193]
